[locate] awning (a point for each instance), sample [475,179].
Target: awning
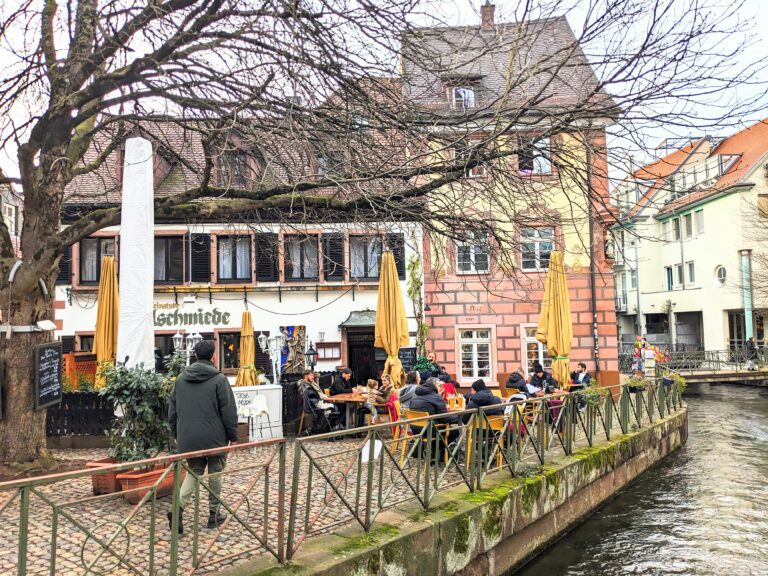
[360,319]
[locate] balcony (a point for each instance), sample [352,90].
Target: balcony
[621,300]
[701,175]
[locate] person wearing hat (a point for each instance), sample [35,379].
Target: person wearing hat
[541,383]
[481,397]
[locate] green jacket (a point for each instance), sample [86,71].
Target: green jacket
[203,413]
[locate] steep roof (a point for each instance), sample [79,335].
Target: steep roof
[751,144]
[539,61]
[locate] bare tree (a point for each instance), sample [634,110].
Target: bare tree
[297,80]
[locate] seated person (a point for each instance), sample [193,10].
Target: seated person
[428,400]
[480,397]
[316,398]
[541,382]
[516,380]
[580,377]
[408,392]
[447,388]
[376,395]
[343,383]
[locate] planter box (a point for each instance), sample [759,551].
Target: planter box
[146,479]
[107,482]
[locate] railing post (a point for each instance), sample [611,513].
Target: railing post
[608,414]
[294,499]
[624,410]
[177,469]
[281,504]
[428,462]
[569,406]
[369,479]
[541,430]
[23,530]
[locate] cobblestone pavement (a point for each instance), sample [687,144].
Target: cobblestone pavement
[138,547]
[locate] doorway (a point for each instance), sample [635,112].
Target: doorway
[361,357]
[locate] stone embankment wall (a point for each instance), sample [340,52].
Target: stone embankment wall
[493,530]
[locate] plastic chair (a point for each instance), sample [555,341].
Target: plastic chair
[408,415]
[258,409]
[496,392]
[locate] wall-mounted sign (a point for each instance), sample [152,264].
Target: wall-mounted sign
[47,374]
[200,317]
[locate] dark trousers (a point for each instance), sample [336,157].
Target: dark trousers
[215,464]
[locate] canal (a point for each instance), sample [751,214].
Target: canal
[701,512]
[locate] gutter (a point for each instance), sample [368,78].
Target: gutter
[592,273]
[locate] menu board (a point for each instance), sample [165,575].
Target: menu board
[47,374]
[407,357]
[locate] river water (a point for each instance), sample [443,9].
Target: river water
[703,511]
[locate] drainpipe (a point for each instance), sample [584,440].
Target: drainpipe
[639,318]
[592,273]
[746,290]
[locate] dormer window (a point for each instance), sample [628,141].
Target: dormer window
[462,97]
[233,169]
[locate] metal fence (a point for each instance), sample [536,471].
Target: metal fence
[279,493]
[735,359]
[80,414]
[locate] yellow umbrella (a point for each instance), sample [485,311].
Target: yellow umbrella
[246,375]
[391,322]
[555,329]
[107,314]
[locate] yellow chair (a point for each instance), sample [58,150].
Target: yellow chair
[411,415]
[496,392]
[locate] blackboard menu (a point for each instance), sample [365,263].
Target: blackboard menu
[47,374]
[407,358]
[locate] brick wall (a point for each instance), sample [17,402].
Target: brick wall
[505,306]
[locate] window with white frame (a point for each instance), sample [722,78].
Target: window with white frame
[475,353]
[364,256]
[10,216]
[533,156]
[668,276]
[665,231]
[462,97]
[688,223]
[234,258]
[679,274]
[633,279]
[301,258]
[536,245]
[676,229]
[691,272]
[699,214]
[472,254]
[535,351]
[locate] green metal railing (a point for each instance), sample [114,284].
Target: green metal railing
[279,493]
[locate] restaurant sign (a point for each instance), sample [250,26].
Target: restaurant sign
[175,317]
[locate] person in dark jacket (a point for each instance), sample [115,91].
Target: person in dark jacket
[540,381]
[428,399]
[203,415]
[516,379]
[580,377]
[343,383]
[408,392]
[480,397]
[751,355]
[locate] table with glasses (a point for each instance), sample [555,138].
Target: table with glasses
[350,400]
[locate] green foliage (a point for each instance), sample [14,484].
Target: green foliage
[677,380]
[142,431]
[593,395]
[413,287]
[422,364]
[637,382]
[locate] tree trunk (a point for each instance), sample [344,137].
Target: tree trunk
[22,428]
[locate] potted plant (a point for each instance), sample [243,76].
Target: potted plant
[141,430]
[674,379]
[636,384]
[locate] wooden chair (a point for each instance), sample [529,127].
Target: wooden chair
[497,392]
[496,424]
[408,415]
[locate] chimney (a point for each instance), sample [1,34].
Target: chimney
[486,15]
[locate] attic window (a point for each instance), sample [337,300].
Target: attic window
[462,97]
[233,169]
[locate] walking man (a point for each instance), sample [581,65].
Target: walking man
[203,415]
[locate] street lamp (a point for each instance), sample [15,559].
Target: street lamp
[192,340]
[273,346]
[311,356]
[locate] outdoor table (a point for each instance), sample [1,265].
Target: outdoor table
[350,399]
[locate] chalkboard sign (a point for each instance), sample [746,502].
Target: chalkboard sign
[47,374]
[407,358]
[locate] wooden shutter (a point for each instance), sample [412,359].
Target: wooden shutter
[261,359]
[396,243]
[67,344]
[333,256]
[266,258]
[65,268]
[199,269]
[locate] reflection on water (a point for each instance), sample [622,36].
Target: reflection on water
[703,511]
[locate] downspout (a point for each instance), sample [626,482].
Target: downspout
[592,272]
[746,290]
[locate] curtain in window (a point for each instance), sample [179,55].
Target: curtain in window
[90,257]
[357,257]
[225,258]
[309,253]
[541,162]
[374,254]
[294,254]
[160,259]
[243,256]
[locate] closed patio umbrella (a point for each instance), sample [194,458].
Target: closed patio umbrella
[391,321]
[555,328]
[246,374]
[107,315]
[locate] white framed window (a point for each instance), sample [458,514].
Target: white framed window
[665,231]
[534,351]
[533,156]
[721,276]
[679,274]
[462,97]
[234,258]
[691,272]
[688,225]
[10,213]
[536,245]
[633,279]
[676,229]
[668,277]
[364,256]
[472,255]
[475,353]
[699,215]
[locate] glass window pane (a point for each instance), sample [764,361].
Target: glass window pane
[175,259]
[160,273]
[89,260]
